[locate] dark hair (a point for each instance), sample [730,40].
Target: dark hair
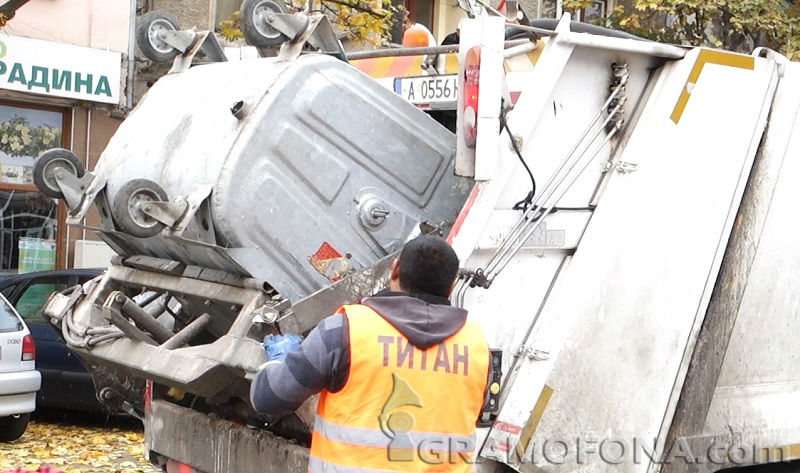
[428,264]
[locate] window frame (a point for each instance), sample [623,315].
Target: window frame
[603,15]
[66,134]
[6,304]
[409,5]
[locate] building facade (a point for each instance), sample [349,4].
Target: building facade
[63,70]
[440,16]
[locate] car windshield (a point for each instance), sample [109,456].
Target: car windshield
[9,322]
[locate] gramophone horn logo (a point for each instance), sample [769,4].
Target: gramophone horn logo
[397,425]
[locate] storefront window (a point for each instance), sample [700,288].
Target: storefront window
[24,134]
[29,220]
[28,228]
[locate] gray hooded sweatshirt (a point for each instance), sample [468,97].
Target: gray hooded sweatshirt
[323,359]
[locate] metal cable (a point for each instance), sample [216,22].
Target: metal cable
[534,226]
[102,330]
[526,202]
[511,241]
[463,285]
[546,194]
[70,325]
[109,336]
[548,185]
[65,331]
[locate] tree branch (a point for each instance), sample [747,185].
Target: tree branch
[10,8]
[355,6]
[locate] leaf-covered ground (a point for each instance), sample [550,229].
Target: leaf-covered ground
[78,447]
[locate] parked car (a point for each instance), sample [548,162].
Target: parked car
[65,381]
[19,379]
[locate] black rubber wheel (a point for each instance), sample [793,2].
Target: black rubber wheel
[49,164]
[12,427]
[127,208]
[148,29]
[253,19]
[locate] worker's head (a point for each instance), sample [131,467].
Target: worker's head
[426,264]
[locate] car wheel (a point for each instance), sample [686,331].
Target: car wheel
[12,427]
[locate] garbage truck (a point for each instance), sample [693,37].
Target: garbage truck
[624,217]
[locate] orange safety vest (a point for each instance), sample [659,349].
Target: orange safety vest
[401,408]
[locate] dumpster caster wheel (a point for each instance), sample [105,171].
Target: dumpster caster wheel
[150,29]
[47,167]
[257,30]
[129,205]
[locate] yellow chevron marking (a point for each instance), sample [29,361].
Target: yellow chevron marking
[707,56]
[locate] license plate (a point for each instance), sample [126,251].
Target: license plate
[429,89]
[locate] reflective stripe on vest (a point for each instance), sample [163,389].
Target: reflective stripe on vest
[316,465]
[402,408]
[377,438]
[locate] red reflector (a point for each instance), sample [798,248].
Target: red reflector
[28,349]
[148,395]
[178,467]
[472,73]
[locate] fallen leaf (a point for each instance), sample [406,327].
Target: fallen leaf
[55,448]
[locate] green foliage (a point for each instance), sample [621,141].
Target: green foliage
[230,29]
[18,138]
[737,25]
[364,25]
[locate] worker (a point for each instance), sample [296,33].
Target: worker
[402,376]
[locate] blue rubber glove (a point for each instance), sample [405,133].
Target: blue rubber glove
[278,346]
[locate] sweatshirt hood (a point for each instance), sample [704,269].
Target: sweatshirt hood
[426,320]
